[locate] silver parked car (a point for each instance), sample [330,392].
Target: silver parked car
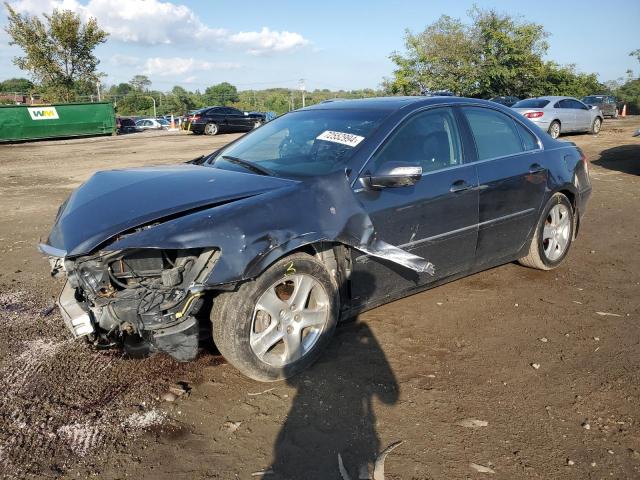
[152,124]
[559,115]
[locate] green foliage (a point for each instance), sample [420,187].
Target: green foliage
[629,93]
[19,85]
[58,53]
[221,94]
[495,54]
[140,83]
[135,103]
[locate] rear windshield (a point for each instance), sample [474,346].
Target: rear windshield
[531,103]
[593,99]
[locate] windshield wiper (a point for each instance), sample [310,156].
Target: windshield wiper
[248,165]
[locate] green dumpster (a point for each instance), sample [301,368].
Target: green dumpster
[30,122]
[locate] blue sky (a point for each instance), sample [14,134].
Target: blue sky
[331,44]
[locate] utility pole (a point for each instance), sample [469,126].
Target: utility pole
[301,85]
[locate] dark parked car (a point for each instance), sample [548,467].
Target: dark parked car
[125,125]
[214,120]
[506,101]
[318,215]
[606,103]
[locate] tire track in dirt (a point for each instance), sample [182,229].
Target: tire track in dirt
[62,401]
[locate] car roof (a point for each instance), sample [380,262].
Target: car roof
[391,103]
[551,98]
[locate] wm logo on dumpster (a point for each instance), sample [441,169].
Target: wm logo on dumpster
[43,113]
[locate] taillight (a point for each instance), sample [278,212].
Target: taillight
[534,114]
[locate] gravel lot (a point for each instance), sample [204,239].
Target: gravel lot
[417,370]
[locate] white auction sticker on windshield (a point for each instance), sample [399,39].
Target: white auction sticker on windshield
[340,137]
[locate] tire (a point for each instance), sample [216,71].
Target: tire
[615,113]
[554,129]
[211,129]
[553,236]
[257,124]
[595,126]
[255,341]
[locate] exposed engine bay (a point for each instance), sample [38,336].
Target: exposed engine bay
[143,299]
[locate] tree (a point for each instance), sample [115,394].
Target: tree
[494,54]
[140,83]
[121,89]
[442,57]
[18,85]
[58,53]
[221,94]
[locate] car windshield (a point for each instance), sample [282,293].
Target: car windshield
[303,143]
[593,99]
[531,103]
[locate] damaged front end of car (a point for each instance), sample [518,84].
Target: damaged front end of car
[142,299]
[137,272]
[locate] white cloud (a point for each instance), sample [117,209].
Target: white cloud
[268,41]
[156,22]
[173,66]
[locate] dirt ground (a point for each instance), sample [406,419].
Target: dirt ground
[417,370]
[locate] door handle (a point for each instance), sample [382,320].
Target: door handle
[459,186]
[536,168]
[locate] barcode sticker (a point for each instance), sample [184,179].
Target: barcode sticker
[348,139]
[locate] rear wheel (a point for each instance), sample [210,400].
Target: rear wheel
[554,129]
[211,129]
[596,125]
[257,124]
[277,325]
[553,236]
[615,113]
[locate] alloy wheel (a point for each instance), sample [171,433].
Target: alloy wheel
[554,130]
[288,319]
[596,125]
[556,232]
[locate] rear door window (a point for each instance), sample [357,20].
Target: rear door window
[495,133]
[529,140]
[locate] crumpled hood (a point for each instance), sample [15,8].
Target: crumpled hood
[112,202]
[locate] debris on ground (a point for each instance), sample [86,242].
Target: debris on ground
[472,423]
[230,426]
[481,468]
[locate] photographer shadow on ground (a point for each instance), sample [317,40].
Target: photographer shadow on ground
[333,410]
[623,158]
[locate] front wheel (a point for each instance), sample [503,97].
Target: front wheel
[211,129]
[553,236]
[554,129]
[257,124]
[596,125]
[275,326]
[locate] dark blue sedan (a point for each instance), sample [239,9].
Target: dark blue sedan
[314,217]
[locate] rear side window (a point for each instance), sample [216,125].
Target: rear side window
[495,133]
[529,140]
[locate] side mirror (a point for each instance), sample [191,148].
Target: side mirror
[394,174]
